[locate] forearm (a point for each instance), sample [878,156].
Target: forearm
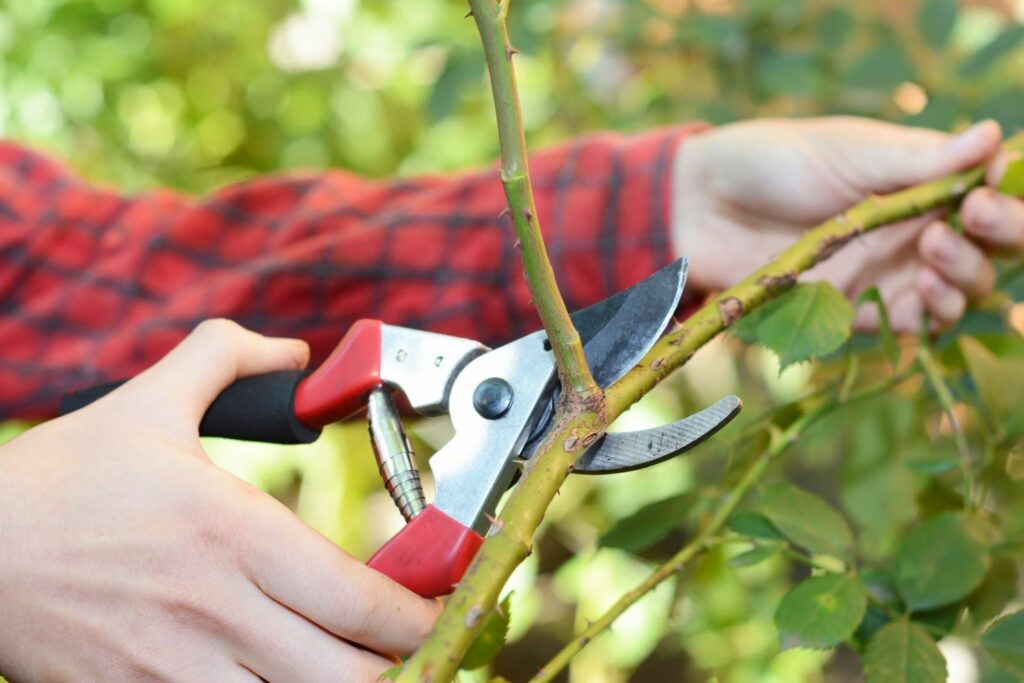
[96,285]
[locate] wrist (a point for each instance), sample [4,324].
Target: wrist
[692,199]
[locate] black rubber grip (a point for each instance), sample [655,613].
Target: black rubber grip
[259,408]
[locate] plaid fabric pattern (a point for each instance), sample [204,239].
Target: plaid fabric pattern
[95,285]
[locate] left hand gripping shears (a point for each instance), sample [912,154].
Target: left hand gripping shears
[500,401]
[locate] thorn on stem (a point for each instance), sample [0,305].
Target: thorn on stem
[473,616]
[505,212]
[511,51]
[468,14]
[517,244]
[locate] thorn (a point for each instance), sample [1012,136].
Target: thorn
[511,51]
[505,212]
[528,214]
[473,616]
[468,14]
[494,521]
[517,244]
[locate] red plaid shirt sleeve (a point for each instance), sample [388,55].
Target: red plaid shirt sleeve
[95,285]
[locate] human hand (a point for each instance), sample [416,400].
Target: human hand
[126,555]
[746,191]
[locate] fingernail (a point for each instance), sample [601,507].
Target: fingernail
[966,141]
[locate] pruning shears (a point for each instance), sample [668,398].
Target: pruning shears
[500,401]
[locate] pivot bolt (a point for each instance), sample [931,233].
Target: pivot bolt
[493,398]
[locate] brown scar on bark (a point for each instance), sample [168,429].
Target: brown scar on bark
[730,309]
[571,443]
[831,245]
[589,439]
[777,283]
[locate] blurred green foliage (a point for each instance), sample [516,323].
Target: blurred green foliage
[191,95]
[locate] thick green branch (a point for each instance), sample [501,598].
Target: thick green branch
[515,176]
[512,535]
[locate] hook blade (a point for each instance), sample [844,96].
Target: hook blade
[625,451]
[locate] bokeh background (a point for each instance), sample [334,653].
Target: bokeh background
[193,95]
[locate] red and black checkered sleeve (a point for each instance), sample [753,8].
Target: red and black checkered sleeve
[95,285]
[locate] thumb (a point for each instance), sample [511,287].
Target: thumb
[214,355]
[918,156]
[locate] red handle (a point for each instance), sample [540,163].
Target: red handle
[339,387]
[430,555]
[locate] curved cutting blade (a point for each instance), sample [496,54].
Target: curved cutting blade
[624,451]
[620,330]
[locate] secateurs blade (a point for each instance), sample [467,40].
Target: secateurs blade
[500,403]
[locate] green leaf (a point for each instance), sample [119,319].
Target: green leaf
[995,592]
[885,334]
[938,563]
[935,21]
[1004,640]
[834,28]
[934,466]
[755,556]
[999,47]
[883,68]
[903,652]
[649,524]
[807,520]
[491,638]
[1012,182]
[754,525]
[822,611]
[1003,105]
[808,321]
[392,673]
[995,379]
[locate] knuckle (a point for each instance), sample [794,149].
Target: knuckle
[219,330]
[188,603]
[214,530]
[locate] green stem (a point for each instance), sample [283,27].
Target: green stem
[515,177]
[946,401]
[701,542]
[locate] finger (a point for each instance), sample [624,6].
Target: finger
[214,355]
[905,310]
[942,300]
[994,219]
[997,167]
[957,260]
[304,571]
[280,645]
[898,156]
